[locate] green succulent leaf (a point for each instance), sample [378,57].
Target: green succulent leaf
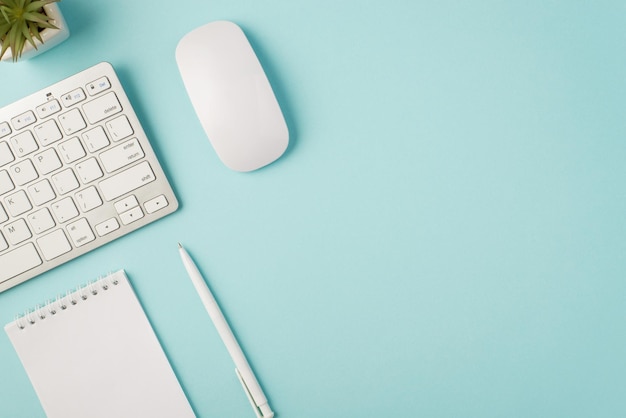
[28,36]
[5,13]
[5,46]
[35,5]
[34,30]
[4,28]
[40,18]
[13,38]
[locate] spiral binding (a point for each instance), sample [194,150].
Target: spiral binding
[64,302]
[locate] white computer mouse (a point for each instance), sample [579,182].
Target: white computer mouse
[232,96]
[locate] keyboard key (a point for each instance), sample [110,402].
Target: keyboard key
[18,261]
[121,155]
[17,203]
[3,215]
[54,244]
[102,107]
[5,129]
[119,128]
[3,243]
[23,172]
[6,185]
[88,170]
[155,204]
[40,221]
[126,203]
[65,181]
[95,139]
[6,156]
[131,216]
[23,120]
[71,150]
[127,181]
[107,226]
[88,199]
[48,132]
[98,86]
[72,122]
[80,232]
[41,192]
[48,161]
[64,210]
[73,97]
[49,108]
[24,143]
[16,232]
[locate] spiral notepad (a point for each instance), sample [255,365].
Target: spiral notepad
[93,353]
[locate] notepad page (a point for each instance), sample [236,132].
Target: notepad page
[99,358]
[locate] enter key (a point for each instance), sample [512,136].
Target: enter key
[121,155]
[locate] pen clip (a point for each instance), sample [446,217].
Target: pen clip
[257,411]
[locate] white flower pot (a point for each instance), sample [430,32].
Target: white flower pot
[51,37]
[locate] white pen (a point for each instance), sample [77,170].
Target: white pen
[242,368]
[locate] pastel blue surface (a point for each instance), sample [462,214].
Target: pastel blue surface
[443,238]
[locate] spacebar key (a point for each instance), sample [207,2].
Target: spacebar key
[130,179]
[18,261]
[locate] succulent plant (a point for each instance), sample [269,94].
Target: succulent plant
[20,22]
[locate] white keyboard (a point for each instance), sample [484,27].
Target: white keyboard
[76,171]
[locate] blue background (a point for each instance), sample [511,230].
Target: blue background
[443,238]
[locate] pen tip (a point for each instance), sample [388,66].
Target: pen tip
[180,246]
